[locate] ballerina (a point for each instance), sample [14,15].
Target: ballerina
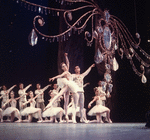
[5,95]
[66,83]
[12,111]
[32,111]
[55,91]
[54,111]
[98,109]
[40,99]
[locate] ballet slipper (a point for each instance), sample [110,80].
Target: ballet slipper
[40,121]
[101,121]
[61,121]
[84,121]
[67,119]
[109,121]
[74,121]
[18,121]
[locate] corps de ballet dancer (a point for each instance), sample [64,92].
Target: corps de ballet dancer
[40,98]
[54,111]
[103,97]
[23,99]
[66,83]
[12,111]
[78,78]
[98,109]
[5,95]
[32,111]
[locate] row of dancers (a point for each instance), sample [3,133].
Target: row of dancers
[67,84]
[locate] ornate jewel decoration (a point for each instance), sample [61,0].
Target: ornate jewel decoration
[110,32]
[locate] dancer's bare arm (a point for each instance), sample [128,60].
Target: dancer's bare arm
[88,70]
[95,98]
[10,89]
[58,76]
[67,60]
[27,87]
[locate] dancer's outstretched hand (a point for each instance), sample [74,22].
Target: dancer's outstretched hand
[66,54]
[51,79]
[93,65]
[89,106]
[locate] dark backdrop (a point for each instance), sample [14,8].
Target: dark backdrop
[20,62]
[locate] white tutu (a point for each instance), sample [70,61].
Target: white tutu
[53,111]
[9,110]
[30,111]
[97,109]
[73,87]
[70,111]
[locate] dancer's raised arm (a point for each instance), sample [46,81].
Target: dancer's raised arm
[67,60]
[27,87]
[10,89]
[46,87]
[88,70]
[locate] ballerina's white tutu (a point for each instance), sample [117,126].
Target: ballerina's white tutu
[9,110]
[73,87]
[31,111]
[70,111]
[98,108]
[53,111]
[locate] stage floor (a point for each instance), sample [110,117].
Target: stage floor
[79,131]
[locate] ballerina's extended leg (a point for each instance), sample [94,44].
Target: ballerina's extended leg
[63,90]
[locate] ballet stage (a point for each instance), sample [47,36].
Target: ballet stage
[79,131]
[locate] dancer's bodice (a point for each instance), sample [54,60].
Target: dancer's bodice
[99,101]
[13,103]
[68,76]
[32,103]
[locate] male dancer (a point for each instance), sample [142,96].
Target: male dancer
[40,98]
[23,99]
[78,78]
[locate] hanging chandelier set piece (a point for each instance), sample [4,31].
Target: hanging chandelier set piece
[110,33]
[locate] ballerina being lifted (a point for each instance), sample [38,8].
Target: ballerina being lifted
[66,83]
